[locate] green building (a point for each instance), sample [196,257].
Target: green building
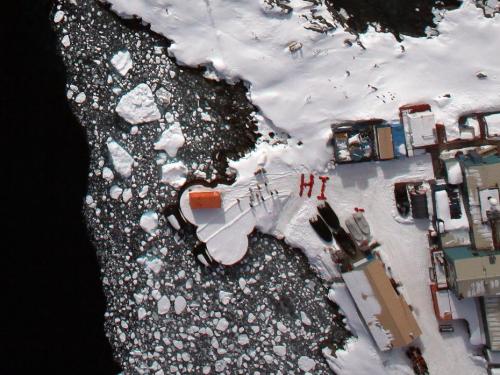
[473,273]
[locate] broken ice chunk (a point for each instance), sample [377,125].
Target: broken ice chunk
[115,191]
[164,97]
[107,174]
[149,221]
[141,313]
[65,41]
[174,174]
[225,297]
[58,17]
[171,140]
[163,305]
[127,195]
[279,350]
[121,159]
[154,265]
[173,222]
[122,62]
[306,364]
[138,106]
[222,325]
[179,304]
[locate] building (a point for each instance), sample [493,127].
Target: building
[473,273]
[367,140]
[384,311]
[492,122]
[204,199]
[419,126]
[450,219]
[482,179]
[385,143]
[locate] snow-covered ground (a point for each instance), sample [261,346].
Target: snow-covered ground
[404,247]
[325,80]
[404,242]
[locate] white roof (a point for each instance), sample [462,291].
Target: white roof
[454,172]
[215,227]
[485,203]
[225,231]
[422,126]
[439,269]
[493,124]
[466,308]
[443,213]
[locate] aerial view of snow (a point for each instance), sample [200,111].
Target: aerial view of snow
[286,186]
[300,92]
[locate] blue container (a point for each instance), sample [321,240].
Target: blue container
[398,139]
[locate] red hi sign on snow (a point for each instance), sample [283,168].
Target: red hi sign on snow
[310,184]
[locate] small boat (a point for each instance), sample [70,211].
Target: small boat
[330,217]
[354,230]
[359,218]
[345,241]
[202,256]
[402,201]
[175,217]
[321,228]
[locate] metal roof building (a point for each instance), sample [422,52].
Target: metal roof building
[385,312]
[204,199]
[482,178]
[472,273]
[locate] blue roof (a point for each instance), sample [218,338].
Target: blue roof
[465,252]
[491,159]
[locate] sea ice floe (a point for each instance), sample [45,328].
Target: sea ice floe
[149,221]
[138,106]
[66,42]
[107,174]
[222,325]
[115,192]
[122,62]
[179,304]
[58,17]
[279,350]
[171,140]
[121,159]
[174,174]
[163,305]
[127,195]
[306,364]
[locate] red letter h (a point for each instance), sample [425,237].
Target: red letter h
[303,184]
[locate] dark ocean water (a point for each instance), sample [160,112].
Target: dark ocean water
[52,297]
[408,17]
